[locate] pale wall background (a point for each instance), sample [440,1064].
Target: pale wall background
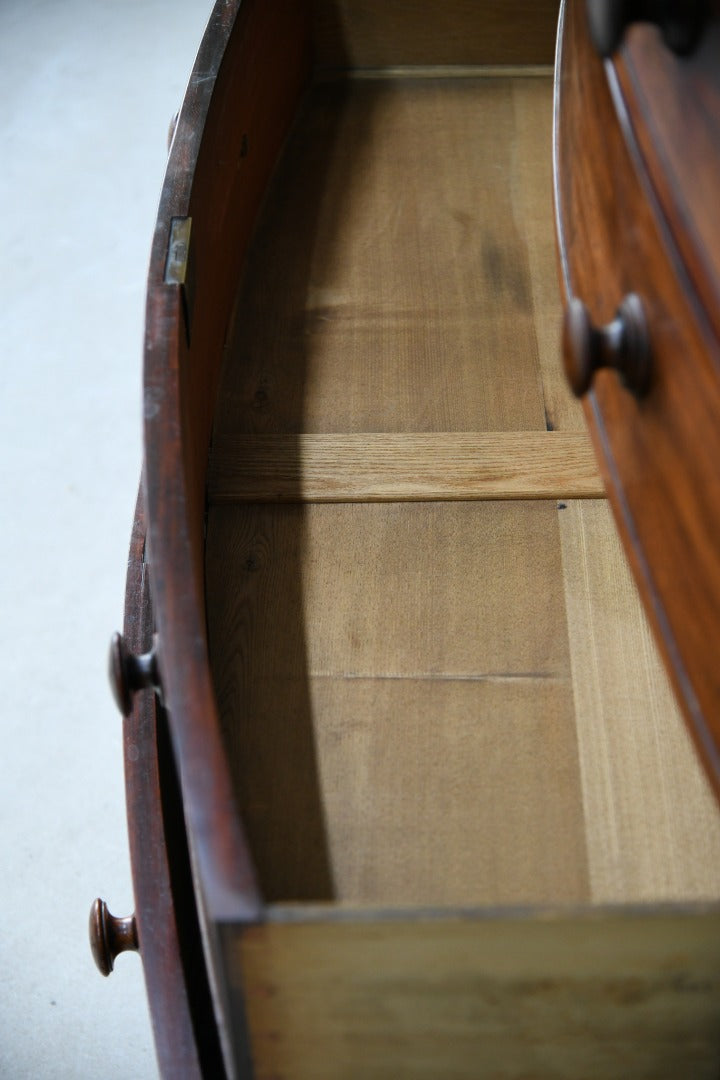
[87,89]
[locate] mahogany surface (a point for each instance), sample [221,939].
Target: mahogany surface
[211,155]
[158,930]
[673,106]
[185,325]
[659,453]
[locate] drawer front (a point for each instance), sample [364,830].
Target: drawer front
[659,450]
[186,1038]
[674,105]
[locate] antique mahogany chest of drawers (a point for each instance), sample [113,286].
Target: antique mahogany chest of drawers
[414,787]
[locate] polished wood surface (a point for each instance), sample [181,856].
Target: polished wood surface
[217,172]
[153,826]
[252,63]
[680,22]
[623,345]
[658,453]
[129,672]
[110,935]
[673,107]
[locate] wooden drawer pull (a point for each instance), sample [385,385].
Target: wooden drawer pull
[624,344]
[680,22]
[110,936]
[129,673]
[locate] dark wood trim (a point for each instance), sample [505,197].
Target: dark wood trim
[217,173]
[672,104]
[174,520]
[158,930]
[249,73]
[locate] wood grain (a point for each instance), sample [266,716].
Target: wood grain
[347,621]
[326,641]
[552,997]
[406,302]
[244,62]
[659,455]
[378,33]
[451,790]
[464,589]
[674,107]
[393,681]
[402,467]
[209,179]
[651,822]
[531,194]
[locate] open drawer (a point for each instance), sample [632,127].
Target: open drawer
[430,807]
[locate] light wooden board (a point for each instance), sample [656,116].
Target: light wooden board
[448,589]
[390,287]
[451,791]
[392,467]
[552,998]
[399,724]
[651,820]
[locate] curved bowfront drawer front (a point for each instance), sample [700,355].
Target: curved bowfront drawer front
[659,445]
[165,926]
[674,106]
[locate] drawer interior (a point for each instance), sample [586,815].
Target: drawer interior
[435,682]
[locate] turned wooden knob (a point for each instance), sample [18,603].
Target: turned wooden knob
[129,673]
[624,344]
[680,22]
[109,936]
